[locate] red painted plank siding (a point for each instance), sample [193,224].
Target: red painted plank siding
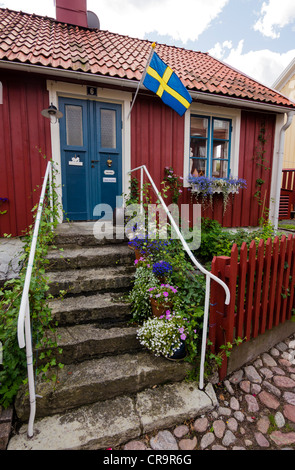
[23,131]
[157,140]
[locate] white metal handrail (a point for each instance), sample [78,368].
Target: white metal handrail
[24,323]
[208,274]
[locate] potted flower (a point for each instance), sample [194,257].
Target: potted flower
[164,336]
[162,298]
[161,269]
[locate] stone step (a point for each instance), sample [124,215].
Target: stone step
[79,281]
[98,380]
[88,234]
[118,420]
[83,342]
[86,257]
[103,309]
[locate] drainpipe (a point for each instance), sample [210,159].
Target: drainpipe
[280,166]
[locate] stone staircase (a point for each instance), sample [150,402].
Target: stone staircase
[106,375]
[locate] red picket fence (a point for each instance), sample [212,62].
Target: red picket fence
[261,282]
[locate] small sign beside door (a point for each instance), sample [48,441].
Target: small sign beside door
[109,172]
[109,180]
[75,161]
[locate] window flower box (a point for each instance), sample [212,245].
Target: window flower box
[207,187]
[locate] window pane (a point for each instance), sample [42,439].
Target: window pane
[198,167]
[220,150]
[220,168]
[221,129]
[108,128]
[74,125]
[199,127]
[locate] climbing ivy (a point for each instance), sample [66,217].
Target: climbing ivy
[14,366]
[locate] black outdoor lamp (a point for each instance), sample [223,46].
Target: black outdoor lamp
[52,112]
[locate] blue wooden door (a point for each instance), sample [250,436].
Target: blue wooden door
[91,157]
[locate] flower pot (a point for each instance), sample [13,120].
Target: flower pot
[159,309]
[180,353]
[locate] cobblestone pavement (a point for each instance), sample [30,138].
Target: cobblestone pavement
[256,410]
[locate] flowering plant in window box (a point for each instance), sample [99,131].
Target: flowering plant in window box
[207,187]
[165,335]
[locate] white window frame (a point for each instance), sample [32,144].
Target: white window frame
[217,112]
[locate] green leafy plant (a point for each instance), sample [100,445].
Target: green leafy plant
[13,372]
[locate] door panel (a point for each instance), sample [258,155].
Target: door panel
[91,156]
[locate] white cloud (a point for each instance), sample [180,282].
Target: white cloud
[275,15]
[265,66]
[185,20]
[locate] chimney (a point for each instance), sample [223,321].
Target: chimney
[72,12]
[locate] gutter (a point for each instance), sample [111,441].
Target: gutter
[290,115]
[122,82]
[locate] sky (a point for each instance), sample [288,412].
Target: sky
[256,37]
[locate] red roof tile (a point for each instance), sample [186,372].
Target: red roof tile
[43,41]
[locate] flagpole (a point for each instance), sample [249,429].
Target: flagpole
[142,77]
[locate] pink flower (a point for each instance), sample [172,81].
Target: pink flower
[183,337]
[165,294]
[136,261]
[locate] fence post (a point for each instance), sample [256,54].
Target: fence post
[217,304]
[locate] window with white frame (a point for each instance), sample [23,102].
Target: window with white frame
[210,146]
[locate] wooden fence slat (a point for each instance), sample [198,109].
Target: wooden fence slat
[217,305]
[258,288]
[292,283]
[266,281]
[241,290]
[286,280]
[250,288]
[232,284]
[281,264]
[274,265]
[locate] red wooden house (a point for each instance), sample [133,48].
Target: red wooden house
[234,125]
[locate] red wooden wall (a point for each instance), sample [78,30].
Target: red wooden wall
[157,140]
[23,130]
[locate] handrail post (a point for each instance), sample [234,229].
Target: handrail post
[30,369]
[51,196]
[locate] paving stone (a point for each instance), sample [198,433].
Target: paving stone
[232,424]
[272,389]
[289,412]
[268,361]
[258,363]
[255,389]
[289,397]
[219,428]
[164,440]
[236,377]
[229,387]
[281,346]
[238,448]
[239,416]
[252,403]
[181,431]
[263,424]
[252,375]
[280,420]
[268,400]
[234,404]
[283,382]
[229,438]
[266,372]
[245,385]
[285,363]
[207,440]
[283,439]
[201,424]
[222,411]
[188,444]
[218,447]
[277,370]
[274,352]
[261,440]
[135,445]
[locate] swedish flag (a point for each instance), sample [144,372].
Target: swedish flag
[161,79]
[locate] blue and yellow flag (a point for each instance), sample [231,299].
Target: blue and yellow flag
[161,79]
